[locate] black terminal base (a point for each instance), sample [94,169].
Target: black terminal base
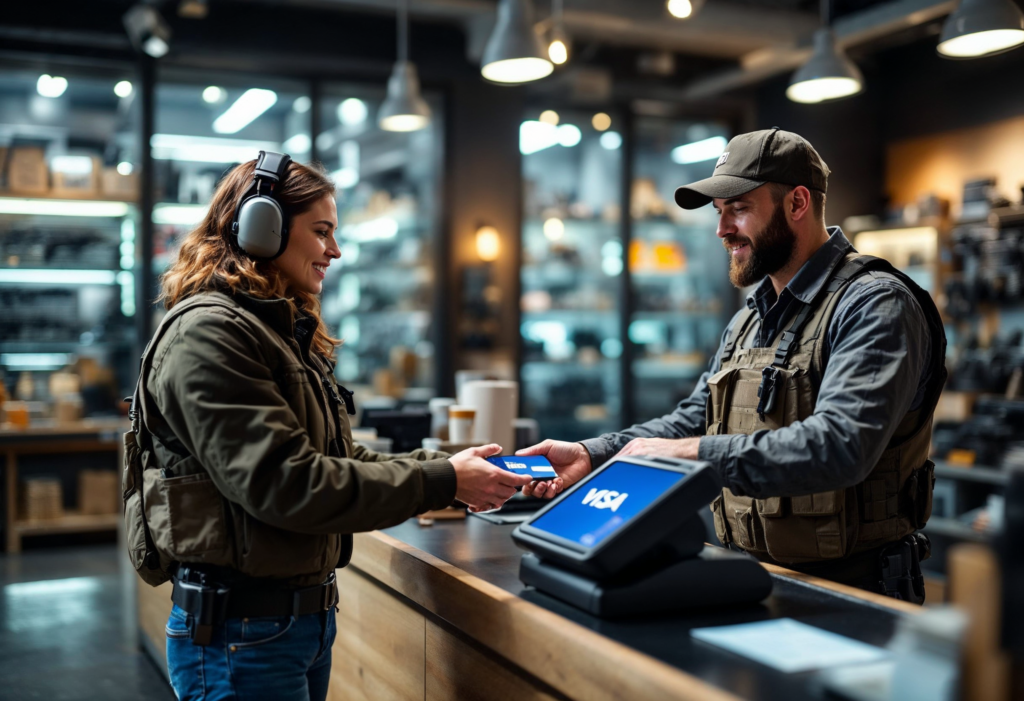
[715,577]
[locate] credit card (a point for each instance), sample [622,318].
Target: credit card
[536,466]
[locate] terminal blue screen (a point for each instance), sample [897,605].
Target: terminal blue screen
[606,503]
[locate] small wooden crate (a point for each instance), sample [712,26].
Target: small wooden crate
[98,492]
[42,499]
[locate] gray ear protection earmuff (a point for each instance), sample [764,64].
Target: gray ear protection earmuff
[260,226]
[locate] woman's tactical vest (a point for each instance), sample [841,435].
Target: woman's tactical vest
[769,388]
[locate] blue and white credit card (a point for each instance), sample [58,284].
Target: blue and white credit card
[537,466]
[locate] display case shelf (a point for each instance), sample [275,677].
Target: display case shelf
[661,367]
[976,473]
[68,523]
[65,206]
[571,314]
[952,528]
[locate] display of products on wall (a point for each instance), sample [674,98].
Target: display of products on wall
[68,185]
[573,260]
[379,297]
[682,296]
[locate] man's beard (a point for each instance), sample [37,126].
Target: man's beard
[773,250]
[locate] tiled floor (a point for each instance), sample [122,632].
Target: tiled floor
[67,629]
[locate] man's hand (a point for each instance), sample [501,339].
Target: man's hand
[570,460]
[685,448]
[481,485]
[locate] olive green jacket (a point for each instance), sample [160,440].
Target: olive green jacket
[257,468]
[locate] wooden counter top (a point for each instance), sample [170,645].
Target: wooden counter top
[466,575]
[439,614]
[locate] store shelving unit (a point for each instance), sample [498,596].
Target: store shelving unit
[383,297]
[571,277]
[82,437]
[68,215]
[682,297]
[619,317]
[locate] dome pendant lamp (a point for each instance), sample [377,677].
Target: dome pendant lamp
[514,53]
[981,28]
[828,74]
[558,42]
[404,109]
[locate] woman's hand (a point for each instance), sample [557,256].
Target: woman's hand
[570,460]
[481,485]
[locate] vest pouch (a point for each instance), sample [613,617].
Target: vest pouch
[804,528]
[918,494]
[719,391]
[141,550]
[721,530]
[743,527]
[187,516]
[741,415]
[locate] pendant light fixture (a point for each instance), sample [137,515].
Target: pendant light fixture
[514,53]
[828,74]
[558,41]
[404,109]
[981,28]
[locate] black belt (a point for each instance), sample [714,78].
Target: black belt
[216,602]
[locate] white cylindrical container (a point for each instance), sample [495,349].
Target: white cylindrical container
[464,377]
[439,416]
[495,402]
[431,443]
[460,424]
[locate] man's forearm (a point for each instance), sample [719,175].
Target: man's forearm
[687,420]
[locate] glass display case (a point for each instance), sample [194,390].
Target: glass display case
[682,297]
[380,297]
[68,195]
[572,265]
[203,127]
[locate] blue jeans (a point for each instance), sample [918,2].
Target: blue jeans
[281,658]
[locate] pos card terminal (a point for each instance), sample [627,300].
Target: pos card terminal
[628,539]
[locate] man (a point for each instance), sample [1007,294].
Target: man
[816,411]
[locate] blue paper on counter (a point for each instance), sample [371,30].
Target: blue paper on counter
[790,646]
[537,466]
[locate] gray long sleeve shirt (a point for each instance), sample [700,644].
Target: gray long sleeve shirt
[876,351]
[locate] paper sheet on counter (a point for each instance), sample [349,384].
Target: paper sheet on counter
[790,646]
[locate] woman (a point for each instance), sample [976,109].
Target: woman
[259,475]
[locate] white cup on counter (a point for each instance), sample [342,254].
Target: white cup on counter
[460,423]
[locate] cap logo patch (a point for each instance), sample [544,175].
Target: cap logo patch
[721,160]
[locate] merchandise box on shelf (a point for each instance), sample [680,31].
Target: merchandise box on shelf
[117,186]
[27,173]
[78,183]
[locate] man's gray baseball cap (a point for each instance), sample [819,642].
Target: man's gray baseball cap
[753,159]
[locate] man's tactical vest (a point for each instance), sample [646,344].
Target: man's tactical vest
[769,388]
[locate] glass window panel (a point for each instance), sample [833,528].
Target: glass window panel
[68,188]
[682,296]
[572,260]
[379,298]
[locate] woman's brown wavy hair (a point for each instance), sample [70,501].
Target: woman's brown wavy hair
[210,261]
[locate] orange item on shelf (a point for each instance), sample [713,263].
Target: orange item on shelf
[961,458]
[17,414]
